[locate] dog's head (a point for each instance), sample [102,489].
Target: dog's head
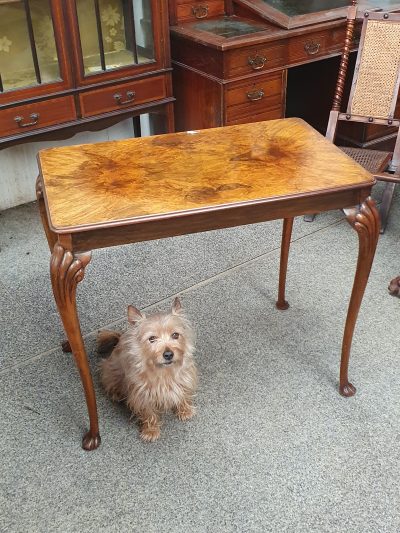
[164,338]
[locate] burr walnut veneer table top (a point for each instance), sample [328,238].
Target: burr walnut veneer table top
[99,195]
[124,182]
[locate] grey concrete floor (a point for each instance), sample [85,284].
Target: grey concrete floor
[273,446]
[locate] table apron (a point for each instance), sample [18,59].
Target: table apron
[223,217]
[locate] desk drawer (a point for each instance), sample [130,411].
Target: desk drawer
[248,99]
[187,10]
[308,47]
[253,59]
[122,96]
[23,118]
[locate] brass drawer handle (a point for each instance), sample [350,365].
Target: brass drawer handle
[257,62]
[255,95]
[34,117]
[200,12]
[312,48]
[130,96]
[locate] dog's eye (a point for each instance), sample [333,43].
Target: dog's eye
[152,338]
[175,335]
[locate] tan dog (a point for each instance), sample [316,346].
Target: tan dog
[151,367]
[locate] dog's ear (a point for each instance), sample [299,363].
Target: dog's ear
[134,314]
[176,306]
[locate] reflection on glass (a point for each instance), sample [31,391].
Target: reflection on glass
[293,8]
[28,54]
[115,33]
[229,27]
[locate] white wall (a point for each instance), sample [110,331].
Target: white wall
[18,167]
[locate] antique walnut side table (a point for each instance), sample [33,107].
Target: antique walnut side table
[99,195]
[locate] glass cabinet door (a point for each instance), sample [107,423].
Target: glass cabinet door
[115,34]
[28,51]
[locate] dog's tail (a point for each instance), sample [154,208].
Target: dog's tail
[107,341]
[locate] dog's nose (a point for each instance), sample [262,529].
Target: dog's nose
[168,355]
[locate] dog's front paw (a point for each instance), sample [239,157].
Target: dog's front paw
[150,434]
[185,412]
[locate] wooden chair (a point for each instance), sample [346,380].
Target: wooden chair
[373,94]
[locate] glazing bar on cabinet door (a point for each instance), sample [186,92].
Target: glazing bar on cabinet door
[32,41]
[130,30]
[100,34]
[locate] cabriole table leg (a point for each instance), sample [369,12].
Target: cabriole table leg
[365,220]
[66,271]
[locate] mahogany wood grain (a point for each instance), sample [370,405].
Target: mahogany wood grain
[243,62]
[186,9]
[130,191]
[104,100]
[50,112]
[281,302]
[270,112]
[201,98]
[250,99]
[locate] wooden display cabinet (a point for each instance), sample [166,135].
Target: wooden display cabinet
[82,64]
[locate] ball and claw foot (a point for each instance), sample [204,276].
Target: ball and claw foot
[282,306]
[90,442]
[347,390]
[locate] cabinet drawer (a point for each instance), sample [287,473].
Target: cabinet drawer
[252,59]
[122,96]
[251,98]
[198,9]
[23,118]
[268,114]
[308,47]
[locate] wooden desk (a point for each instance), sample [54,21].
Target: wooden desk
[107,194]
[232,70]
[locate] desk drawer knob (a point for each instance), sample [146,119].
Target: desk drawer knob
[130,96]
[200,12]
[312,48]
[257,62]
[255,95]
[34,118]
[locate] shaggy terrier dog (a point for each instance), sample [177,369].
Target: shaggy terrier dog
[151,367]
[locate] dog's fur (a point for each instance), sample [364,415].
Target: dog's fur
[139,373]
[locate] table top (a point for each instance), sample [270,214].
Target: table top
[125,182]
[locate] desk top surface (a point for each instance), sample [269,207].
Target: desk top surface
[123,182]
